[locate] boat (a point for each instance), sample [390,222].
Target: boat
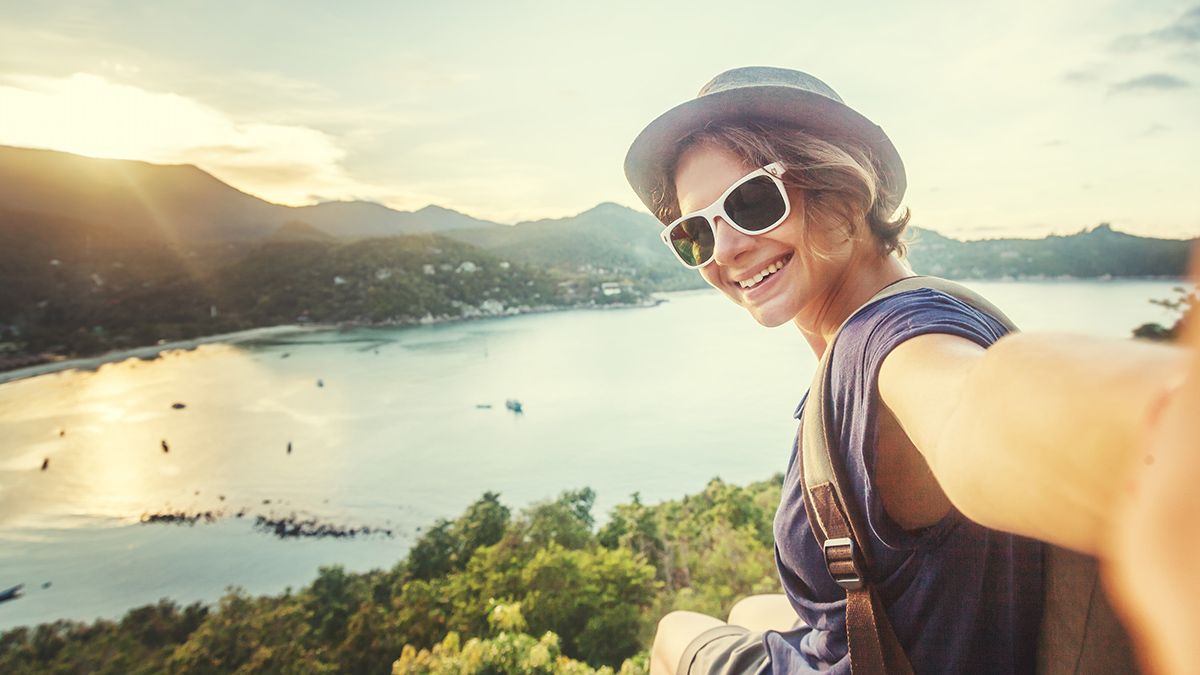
[12,593]
[513,405]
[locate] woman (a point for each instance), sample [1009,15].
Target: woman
[956,450]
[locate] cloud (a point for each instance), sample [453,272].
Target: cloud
[1081,77]
[1150,82]
[1184,32]
[89,115]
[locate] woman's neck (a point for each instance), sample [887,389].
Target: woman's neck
[864,276]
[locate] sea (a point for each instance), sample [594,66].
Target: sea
[134,480]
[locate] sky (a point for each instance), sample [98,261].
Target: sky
[1021,118]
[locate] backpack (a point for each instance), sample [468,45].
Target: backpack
[1080,634]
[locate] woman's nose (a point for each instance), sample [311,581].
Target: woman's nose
[728,243]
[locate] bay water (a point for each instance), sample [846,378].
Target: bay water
[392,429]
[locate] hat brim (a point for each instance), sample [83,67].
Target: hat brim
[654,150]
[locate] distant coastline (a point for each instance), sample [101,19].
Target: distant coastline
[152,352]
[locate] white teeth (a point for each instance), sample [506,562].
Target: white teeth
[771,269]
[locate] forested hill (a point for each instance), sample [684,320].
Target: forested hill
[182,203]
[75,288]
[1100,252]
[614,237]
[185,205]
[606,237]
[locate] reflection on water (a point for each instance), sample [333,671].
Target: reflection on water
[655,401]
[103,435]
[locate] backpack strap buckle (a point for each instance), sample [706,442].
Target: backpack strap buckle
[843,562]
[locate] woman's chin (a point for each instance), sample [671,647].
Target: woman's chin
[769,315]
[770,311]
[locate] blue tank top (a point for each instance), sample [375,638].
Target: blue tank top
[962,598]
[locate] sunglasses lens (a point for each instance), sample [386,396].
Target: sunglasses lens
[756,204]
[693,240]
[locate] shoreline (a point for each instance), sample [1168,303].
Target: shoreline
[153,352]
[150,352]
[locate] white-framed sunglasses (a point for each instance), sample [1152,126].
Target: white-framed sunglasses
[755,204]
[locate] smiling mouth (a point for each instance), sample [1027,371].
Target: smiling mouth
[766,272]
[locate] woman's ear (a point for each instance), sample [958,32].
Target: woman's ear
[860,233]
[852,223]
[832,228]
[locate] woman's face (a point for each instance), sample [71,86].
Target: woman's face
[795,283]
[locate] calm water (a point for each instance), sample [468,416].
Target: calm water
[655,401]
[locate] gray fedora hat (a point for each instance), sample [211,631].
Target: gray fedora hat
[761,93]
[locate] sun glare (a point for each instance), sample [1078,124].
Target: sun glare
[89,115]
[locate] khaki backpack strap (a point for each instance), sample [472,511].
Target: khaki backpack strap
[874,647]
[951,288]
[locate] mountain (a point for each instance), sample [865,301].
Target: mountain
[185,207]
[1099,252]
[295,230]
[607,238]
[84,291]
[145,200]
[368,219]
[615,238]
[182,203]
[607,235]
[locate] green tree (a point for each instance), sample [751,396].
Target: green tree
[250,636]
[566,521]
[435,553]
[1181,306]
[592,598]
[447,546]
[509,651]
[329,602]
[633,526]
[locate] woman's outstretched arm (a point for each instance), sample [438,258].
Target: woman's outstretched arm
[1154,570]
[1037,434]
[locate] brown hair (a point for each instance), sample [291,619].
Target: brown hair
[838,180]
